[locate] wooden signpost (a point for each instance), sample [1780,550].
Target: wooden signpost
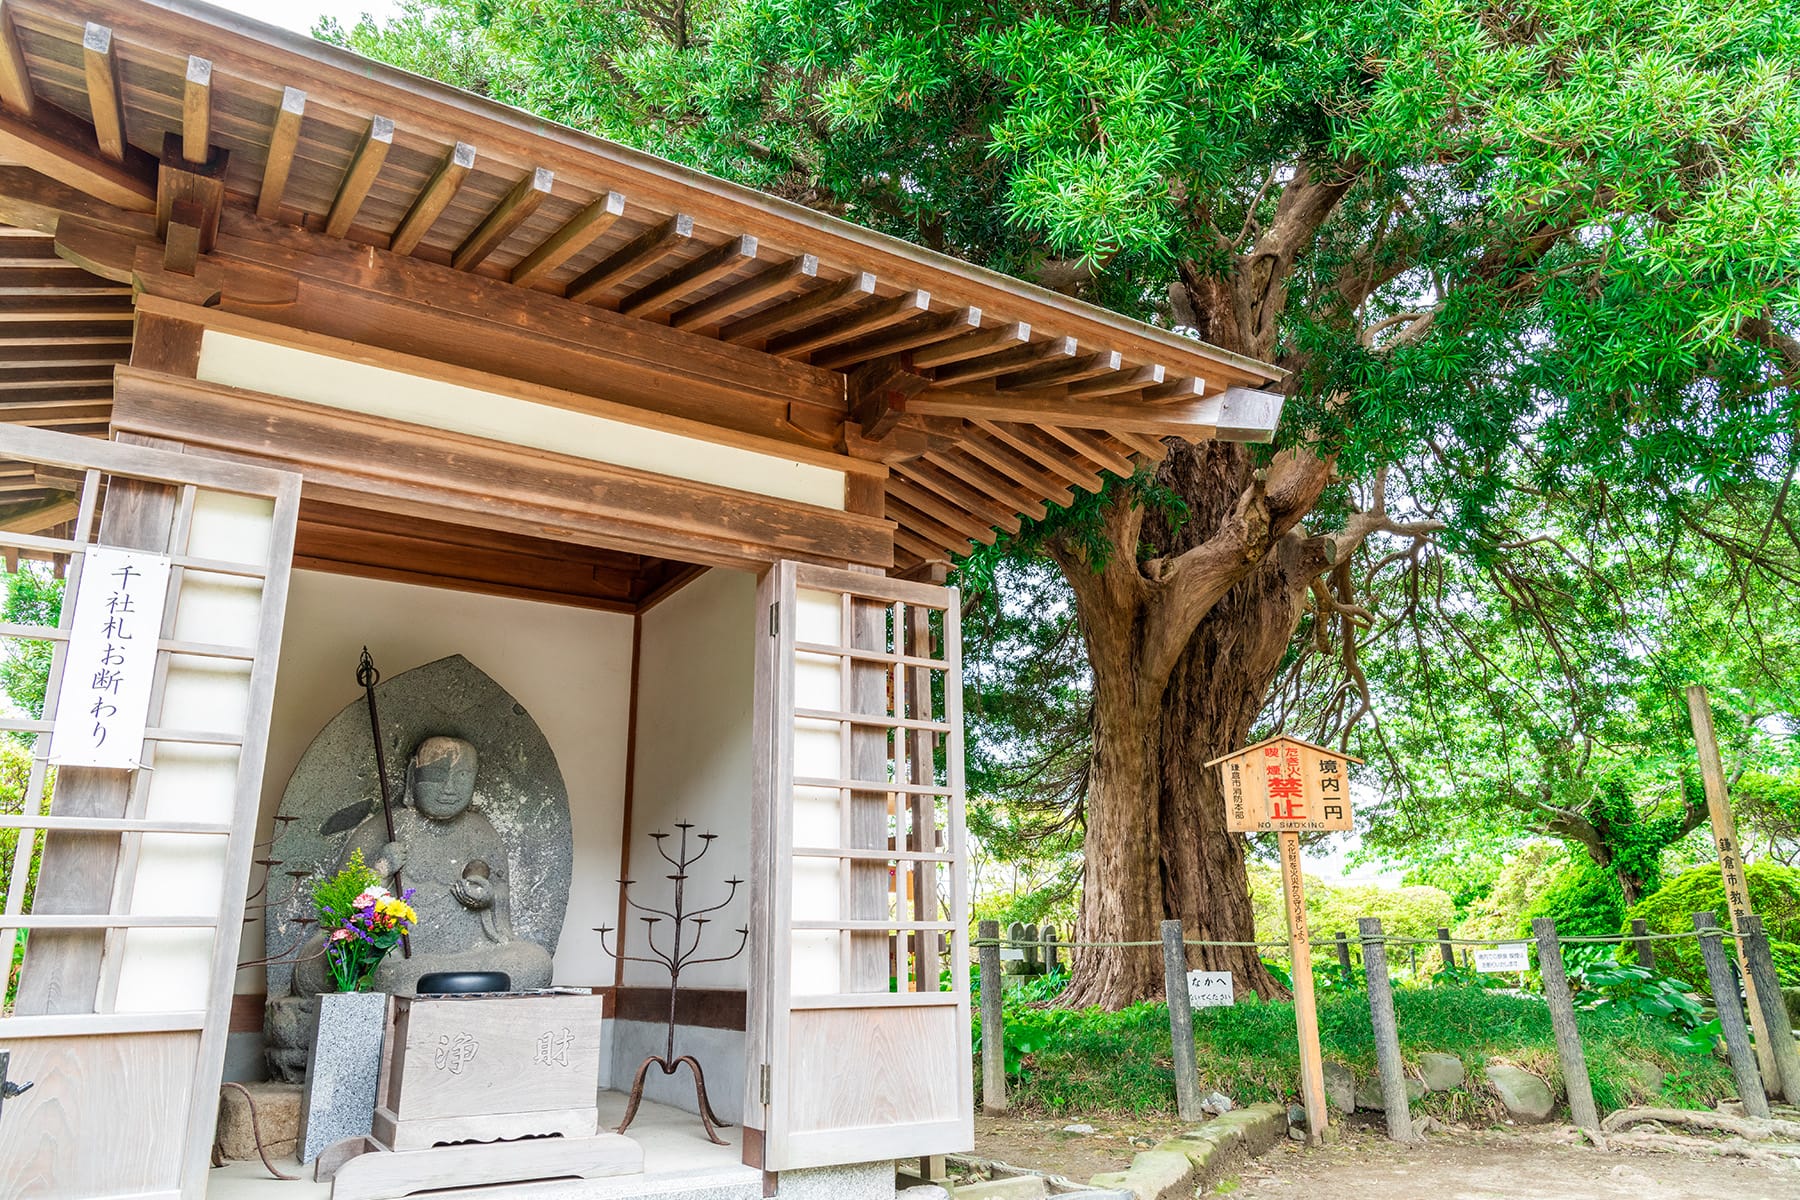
[1731,866]
[1286,786]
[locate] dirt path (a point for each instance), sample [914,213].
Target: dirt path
[1468,1165]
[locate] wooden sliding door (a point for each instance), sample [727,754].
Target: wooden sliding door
[860,980]
[139,807]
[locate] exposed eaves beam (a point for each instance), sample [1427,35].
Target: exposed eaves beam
[101,67]
[753,291]
[577,234]
[1203,418]
[365,165]
[1015,468]
[1062,371]
[15,76]
[1028,442]
[283,139]
[923,331]
[196,110]
[940,539]
[973,345]
[642,250]
[1152,448]
[439,191]
[1089,447]
[820,300]
[1191,388]
[688,278]
[1116,384]
[508,215]
[994,510]
[63,149]
[867,319]
[938,509]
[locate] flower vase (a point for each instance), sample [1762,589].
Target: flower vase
[338,1100]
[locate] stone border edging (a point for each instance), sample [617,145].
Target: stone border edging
[1178,1167]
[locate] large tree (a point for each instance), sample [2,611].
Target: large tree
[1550,245]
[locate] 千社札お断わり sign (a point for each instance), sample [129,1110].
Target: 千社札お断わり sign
[103,704]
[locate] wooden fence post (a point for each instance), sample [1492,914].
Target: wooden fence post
[1731,1015]
[993,1036]
[1343,949]
[1562,1021]
[1445,950]
[1181,1023]
[1387,1029]
[1646,950]
[1755,945]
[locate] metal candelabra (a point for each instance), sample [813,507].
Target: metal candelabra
[677,957]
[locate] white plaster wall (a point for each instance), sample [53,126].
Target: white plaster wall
[695,679]
[570,668]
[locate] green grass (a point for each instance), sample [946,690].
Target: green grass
[1120,1064]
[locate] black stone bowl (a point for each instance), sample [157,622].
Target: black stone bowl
[463,983]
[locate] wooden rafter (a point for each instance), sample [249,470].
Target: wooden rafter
[577,234]
[15,76]
[642,250]
[998,513]
[283,139]
[1190,388]
[815,303]
[1011,466]
[1117,383]
[508,215]
[770,282]
[1061,371]
[923,330]
[100,65]
[1092,448]
[933,533]
[1196,418]
[359,178]
[196,110]
[1152,448]
[868,318]
[975,369]
[973,345]
[946,513]
[439,191]
[984,480]
[1029,443]
[676,284]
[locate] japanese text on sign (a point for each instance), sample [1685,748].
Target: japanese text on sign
[104,704]
[1285,783]
[1513,956]
[1210,989]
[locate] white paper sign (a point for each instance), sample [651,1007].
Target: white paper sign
[1514,956]
[1210,989]
[104,705]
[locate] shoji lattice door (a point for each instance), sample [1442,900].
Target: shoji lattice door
[130,928]
[860,984]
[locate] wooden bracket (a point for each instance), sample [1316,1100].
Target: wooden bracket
[189,195]
[877,393]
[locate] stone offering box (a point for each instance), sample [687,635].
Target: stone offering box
[488,1067]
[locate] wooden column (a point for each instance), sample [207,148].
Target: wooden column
[1181,1022]
[993,1037]
[1343,951]
[1306,1012]
[1641,944]
[1446,951]
[1387,1029]
[1562,1021]
[1731,867]
[1731,1016]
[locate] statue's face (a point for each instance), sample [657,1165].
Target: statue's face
[443,771]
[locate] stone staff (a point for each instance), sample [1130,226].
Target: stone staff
[366,678]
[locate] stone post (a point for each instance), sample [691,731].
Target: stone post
[1387,1029]
[1181,1022]
[1731,1015]
[993,1036]
[1562,1021]
[1445,950]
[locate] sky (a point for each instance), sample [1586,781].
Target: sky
[301,15]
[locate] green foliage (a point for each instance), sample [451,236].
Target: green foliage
[334,896]
[1332,908]
[15,776]
[33,597]
[1601,983]
[1584,901]
[1774,896]
[1097,1063]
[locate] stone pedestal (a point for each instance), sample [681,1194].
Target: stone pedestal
[277,1118]
[339,1097]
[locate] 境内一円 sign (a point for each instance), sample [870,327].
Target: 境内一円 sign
[1285,783]
[1513,956]
[103,707]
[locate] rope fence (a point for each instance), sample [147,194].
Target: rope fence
[1768,1067]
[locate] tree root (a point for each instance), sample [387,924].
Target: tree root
[1752,1129]
[1734,1147]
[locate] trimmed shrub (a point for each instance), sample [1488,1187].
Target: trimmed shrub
[1774,896]
[1584,899]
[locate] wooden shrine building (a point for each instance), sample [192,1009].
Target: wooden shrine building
[374,361]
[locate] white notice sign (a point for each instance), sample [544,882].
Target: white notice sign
[104,704]
[1513,956]
[1210,989]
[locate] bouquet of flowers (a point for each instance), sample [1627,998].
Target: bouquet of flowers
[362,921]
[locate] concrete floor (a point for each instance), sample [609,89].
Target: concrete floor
[679,1163]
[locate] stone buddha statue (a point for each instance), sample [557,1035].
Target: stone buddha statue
[454,859]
